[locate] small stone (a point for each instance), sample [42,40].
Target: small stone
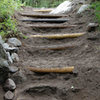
[3,53]
[9,95]
[13,69]
[6,45]
[9,58]
[10,49]
[15,42]
[75,89]
[83,8]
[19,77]
[92,27]
[1,40]
[75,73]
[4,63]
[9,85]
[15,57]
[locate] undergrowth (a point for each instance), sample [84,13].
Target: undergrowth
[7,21]
[96,7]
[42,3]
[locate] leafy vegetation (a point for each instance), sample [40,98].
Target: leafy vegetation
[96,7]
[8,7]
[43,3]
[7,22]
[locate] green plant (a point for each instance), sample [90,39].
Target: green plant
[96,7]
[42,3]
[8,23]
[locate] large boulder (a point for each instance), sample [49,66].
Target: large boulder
[64,7]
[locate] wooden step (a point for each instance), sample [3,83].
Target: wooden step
[43,15]
[53,47]
[57,36]
[52,70]
[51,26]
[45,20]
[43,10]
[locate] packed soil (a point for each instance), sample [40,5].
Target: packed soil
[82,84]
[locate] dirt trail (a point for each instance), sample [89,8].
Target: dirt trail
[83,84]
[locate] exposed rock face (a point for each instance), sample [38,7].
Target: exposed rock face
[4,66]
[6,49]
[4,70]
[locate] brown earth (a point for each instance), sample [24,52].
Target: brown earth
[82,84]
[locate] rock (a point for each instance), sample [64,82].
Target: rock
[10,49]
[6,45]
[9,95]
[75,89]
[1,40]
[13,69]
[4,70]
[4,64]
[9,85]
[3,53]
[64,7]
[9,58]
[15,42]
[83,8]
[92,27]
[19,77]
[15,57]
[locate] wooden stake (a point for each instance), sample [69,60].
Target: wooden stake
[52,70]
[57,36]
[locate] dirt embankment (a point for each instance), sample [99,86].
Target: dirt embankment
[82,84]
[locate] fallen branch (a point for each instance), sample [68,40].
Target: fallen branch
[45,20]
[43,15]
[57,36]
[52,70]
[52,26]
